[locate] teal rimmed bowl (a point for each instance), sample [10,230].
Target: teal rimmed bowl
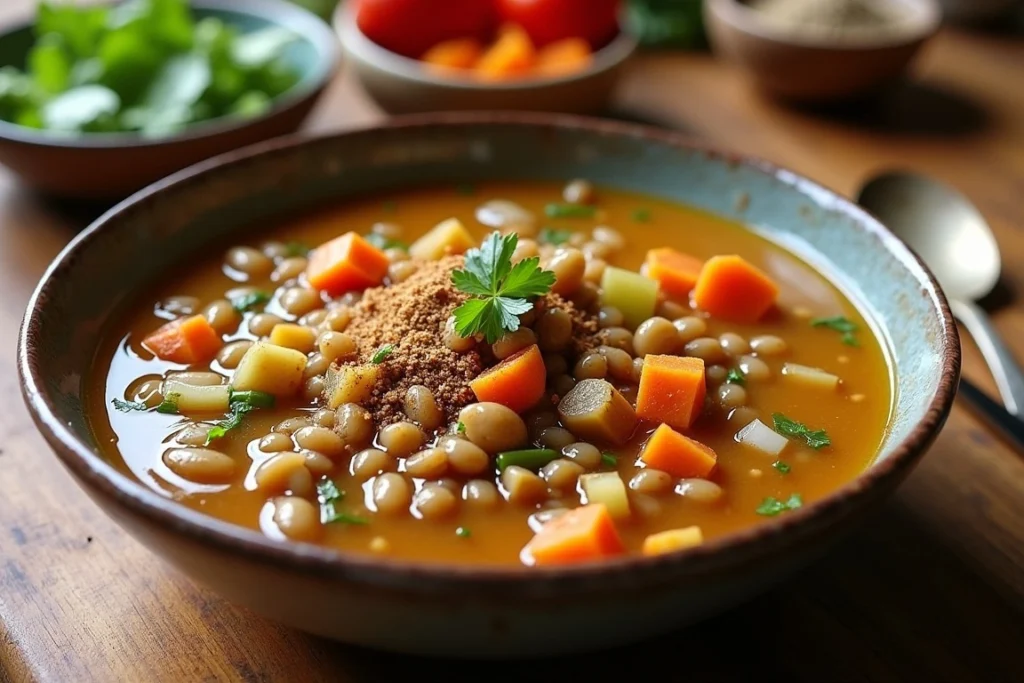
[109,166]
[464,611]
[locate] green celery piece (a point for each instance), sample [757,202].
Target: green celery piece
[81,109]
[49,64]
[633,294]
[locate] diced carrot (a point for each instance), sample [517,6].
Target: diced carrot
[669,451]
[566,56]
[673,540]
[672,390]
[586,533]
[512,55]
[675,271]
[346,264]
[516,382]
[730,288]
[185,340]
[460,53]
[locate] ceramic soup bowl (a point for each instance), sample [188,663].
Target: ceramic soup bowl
[467,611]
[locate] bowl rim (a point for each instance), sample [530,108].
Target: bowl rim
[748,545]
[924,22]
[301,21]
[621,47]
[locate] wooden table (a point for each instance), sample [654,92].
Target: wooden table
[931,590]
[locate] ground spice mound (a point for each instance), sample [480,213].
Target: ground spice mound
[411,315]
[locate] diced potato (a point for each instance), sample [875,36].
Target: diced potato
[632,293]
[606,488]
[270,368]
[594,410]
[762,437]
[197,398]
[811,377]
[447,237]
[672,540]
[350,383]
[523,486]
[292,336]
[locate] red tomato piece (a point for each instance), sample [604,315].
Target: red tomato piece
[411,27]
[596,21]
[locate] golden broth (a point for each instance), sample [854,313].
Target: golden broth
[854,417]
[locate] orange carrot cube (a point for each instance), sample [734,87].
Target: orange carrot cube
[672,390]
[669,451]
[345,264]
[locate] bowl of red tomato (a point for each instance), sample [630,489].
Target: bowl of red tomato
[538,55]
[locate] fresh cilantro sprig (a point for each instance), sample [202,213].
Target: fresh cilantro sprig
[233,421]
[840,324]
[128,406]
[770,507]
[735,376]
[328,494]
[500,291]
[815,438]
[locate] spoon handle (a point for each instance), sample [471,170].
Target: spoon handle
[1001,362]
[994,415]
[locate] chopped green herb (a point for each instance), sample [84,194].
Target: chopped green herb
[529,458]
[382,354]
[382,242]
[816,439]
[735,376]
[330,515]
[296,249]
[641,215]
[771,507]
[460,428]
[327,490]
[246,303]
[840,324]
[554,236]
[466,189]
[569,211]
[782,467]
[501,291]
[463,532]
[390,206]
[169,406]
[128,406]
[233,421]
[256,399]
[609,459]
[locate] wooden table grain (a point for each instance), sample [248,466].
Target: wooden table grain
[931,589]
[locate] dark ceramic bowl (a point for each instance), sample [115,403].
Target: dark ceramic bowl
[465,611]
[113,165]
[400,85]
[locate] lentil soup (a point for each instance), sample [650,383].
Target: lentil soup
[501,374]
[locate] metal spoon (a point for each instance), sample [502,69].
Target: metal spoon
[952,237]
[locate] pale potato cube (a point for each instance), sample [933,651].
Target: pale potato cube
[606,488]
[446,238]
[811,377]
[292,336]
[350,384]
[523,486]
[270,368]
[196,398]
[673,540]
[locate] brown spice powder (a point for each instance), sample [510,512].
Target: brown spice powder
[411,316]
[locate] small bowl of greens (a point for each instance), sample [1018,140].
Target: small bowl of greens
[97,102]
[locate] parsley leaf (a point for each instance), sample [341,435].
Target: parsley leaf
[169,406]
[382,354]
[569,211]
[233,421]
[293,249]
[782,467]
[327,490]
[249,301]
[735,376]
[128,406]
[771,507]
[840,324]
[460,428]
[554,236]
[642,215]
[816,439]
[609,459]
[328,493]
[463,532]
[503,290]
